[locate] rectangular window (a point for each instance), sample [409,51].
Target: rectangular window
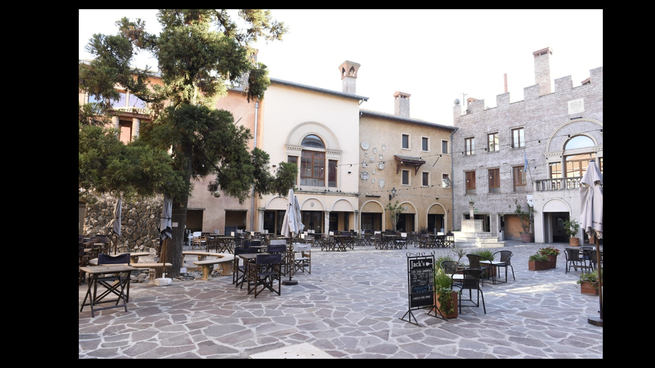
[426,179]
[405,177]
[405,141]
[493,142]
[494,180]
[555,170]
[425,144]
[445,181]
[469,146]
[518,138]
[470,180]
[444,146]
[312,170]
[332,173]
[518,173]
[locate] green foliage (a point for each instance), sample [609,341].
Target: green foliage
[538,258]
[442,259]
[394,209]
[571,227]
[526,216]
[485,254]
[590,277]
[108,165]
[443,288]
[459,251]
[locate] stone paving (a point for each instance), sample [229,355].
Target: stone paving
[350,306]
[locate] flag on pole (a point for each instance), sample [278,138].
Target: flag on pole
[525,165]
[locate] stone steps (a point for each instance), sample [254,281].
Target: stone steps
[479,240]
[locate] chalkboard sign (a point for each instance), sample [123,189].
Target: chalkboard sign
[420,282]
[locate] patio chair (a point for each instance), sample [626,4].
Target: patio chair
[279,247]
[113,281]
[474,263]
[575,258]
[504,261]
[198,240]
[470,282]
[264,272]
[240,266]
[302,258]
[450,268]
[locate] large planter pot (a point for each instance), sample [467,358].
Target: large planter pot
[552,259]
[538,266]
[527,237]
[589,288]
[453,302]
[574,242]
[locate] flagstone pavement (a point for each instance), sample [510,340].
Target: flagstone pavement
[350,306]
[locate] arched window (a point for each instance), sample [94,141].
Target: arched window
[577,159]
[313,163]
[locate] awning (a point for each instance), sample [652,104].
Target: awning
[408,160]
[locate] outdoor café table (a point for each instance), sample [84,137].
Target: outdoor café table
[341,242]
[110,287]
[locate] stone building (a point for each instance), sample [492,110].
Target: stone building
[405,160]
[532,151]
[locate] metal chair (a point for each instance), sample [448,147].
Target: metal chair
[470,282]
[450,268]
[505,257]
[575,258]
[474,263]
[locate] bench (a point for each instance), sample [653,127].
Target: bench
[201,255]
[225,260]
[134,258]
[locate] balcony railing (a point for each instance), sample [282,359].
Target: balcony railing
[548,185]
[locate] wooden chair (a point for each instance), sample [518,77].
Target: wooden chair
[114,281]
[264,273]
[302,258]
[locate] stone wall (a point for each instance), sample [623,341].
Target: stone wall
[139,222]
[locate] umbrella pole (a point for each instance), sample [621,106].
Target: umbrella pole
[289,267]
[598,321]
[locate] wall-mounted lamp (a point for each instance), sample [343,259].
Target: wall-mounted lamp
[393,193]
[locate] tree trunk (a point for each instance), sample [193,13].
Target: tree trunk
[174,255]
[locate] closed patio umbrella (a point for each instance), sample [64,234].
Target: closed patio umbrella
[165,230]
[116,222]
[291,226]
[591,219]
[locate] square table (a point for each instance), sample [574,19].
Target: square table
[115,287]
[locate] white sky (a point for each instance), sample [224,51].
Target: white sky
[434,55]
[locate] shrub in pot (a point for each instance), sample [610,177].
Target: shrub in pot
[571,228]
[445,297]
[589,282]
[538,262]
[551,253]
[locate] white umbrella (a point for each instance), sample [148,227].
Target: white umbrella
[291,226]
[591,200]
[116,222]
[591,218]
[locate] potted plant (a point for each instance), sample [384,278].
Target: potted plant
[571,228]
[445,298]
[460,252]
[589,282]
[526,217]
[538,262]
[551,253]
[486,255]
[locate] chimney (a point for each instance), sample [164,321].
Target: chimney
[542,70]
[348,71]
[401,104]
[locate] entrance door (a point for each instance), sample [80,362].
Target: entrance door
[559,236]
